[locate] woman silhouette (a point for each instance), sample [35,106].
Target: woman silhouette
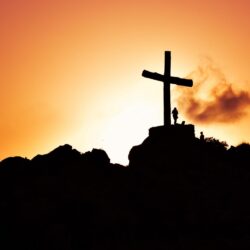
[175,115]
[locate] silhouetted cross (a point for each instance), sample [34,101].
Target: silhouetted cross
[167,79]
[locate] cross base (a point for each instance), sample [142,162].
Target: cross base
[173,133]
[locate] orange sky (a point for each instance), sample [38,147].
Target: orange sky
[71,69]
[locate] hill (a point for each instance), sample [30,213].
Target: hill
[178,192]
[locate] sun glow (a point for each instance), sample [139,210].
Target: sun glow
[128,128]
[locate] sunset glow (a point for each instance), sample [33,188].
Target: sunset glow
[71,69]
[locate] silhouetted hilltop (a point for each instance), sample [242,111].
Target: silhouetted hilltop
[164,147]
[178,192]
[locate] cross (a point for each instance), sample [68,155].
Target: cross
[167,79]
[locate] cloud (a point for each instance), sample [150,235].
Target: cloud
[212,99]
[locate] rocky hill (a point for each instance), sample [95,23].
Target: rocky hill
[178,192]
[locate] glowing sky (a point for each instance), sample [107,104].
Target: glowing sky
[70,70]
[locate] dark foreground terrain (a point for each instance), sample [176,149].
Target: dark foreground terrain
[178,192]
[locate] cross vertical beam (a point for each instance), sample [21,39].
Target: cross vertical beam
[166,89]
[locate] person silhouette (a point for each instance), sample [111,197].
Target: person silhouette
[202,138]
[175,115]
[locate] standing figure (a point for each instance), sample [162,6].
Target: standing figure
[202,138]
[175,115]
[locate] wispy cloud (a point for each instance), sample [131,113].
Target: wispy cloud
[212,99]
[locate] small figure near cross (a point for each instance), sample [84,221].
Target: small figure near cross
[175,115]
[202,137]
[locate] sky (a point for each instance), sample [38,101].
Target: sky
[70,72]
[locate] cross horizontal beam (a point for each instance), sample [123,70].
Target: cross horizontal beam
[171,79]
